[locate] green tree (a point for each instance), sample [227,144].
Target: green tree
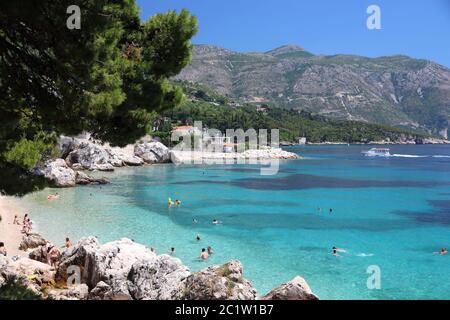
[109,77]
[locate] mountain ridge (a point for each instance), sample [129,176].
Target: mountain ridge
[395,90]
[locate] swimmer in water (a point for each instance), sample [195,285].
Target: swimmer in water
[53,196]
[204,255]
[442,252]
[335,252]
[194,221]
[197,237]
[210,250]
[331,210]
[339,250]
[172,250]
[177,202]
[215,221]
[170,202]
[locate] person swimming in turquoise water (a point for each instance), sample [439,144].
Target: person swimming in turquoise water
[177,202]
[442,252]
[335,252]
[198,237]
[170,202]
[204,254]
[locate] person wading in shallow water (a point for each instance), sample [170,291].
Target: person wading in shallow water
[68,243]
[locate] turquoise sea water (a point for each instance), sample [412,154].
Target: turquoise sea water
[393,213]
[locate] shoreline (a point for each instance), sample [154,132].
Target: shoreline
[10,234]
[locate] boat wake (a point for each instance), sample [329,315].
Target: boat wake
[364,255]
[408,156]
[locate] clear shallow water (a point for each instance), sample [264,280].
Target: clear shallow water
[392,213]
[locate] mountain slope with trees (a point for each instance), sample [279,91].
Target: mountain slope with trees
[395,90]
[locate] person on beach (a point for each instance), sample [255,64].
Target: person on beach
[3,249]
[25,217]
[204,254]
[198,237]
[54,257]
[210,250]
[16,220]
[68,243]
[26,227]
[46,251]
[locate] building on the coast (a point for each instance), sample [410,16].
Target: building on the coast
[184,130]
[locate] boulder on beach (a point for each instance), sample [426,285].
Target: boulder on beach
[152,152]
[296,289]
[120,157]
[57,171]
[83,178]
[31,241]
[90,156]
[126,270]
[224,282]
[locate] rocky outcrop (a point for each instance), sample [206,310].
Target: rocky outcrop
[152,152]
[62,175]
[83,178]
[57,171]
[121,158]
[431,141]
[73,292]
[160,278]
[296,289]
[31,241]
[263,154]
[124,269]
[219,283]
[90,156]
[33,274]
[38,254]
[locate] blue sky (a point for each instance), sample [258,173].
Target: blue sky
[418,28]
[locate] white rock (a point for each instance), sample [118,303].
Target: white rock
[152,152]
[90,156]
[124,158]
[57,171]
[296,289]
